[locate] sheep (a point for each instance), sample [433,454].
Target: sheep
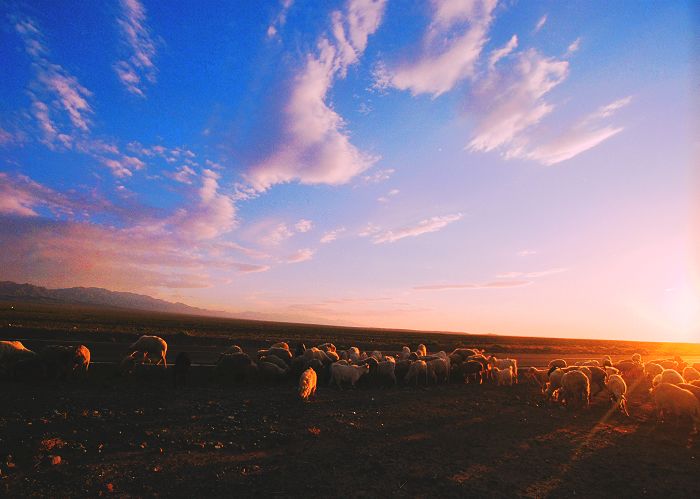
[282,353]
[637,358]
[181,370]
[401,369]
[610,370]
[307,384]
[281,344]
[694,389]
[591,363]
[385,372]
[668,364]
[538,376]
[151,346]
[422,350]
[232,349]
[470,371]
[235,367]
[598,378]
[575,386]
[554,383]
[319,369]
[389,358]
[347,374]
[315,353]
[417,370]
[618,389]
[333,356]
[505,363]
[672,399]
[651,369]
[670,376]
[299,350]
[695,382]
[504,377]
[560,363]
[405,353]
[607,361]
[271,372]
[464,353]
[438,370]
[690,374]
[630,370]
[81,359]
[353,354]
[12,352]
[327,347]
[273,359]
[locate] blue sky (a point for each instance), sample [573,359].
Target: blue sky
[470,165]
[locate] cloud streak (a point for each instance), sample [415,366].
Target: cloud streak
[139,68]
[426,226]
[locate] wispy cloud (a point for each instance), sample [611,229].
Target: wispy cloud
[301,255]
[526,252]
[315,147]
[331,235]
[304,225]
[535,274]
[573,47]
[388,195]
[499,53]
[540,24]
[280,18]
[136,36]
[451,48]
[184,174]
[379,176]
[20,195]
[576,139]
[474,285]
[426,226]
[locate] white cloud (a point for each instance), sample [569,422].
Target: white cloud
[183,174]
[137,38]
[573,47]
[541,23]
[514,101]
[369,230]
[304,225]
[379,176]
[301,255]
[447,58]
[332,235]
[280,18]
[316,149]
[578,138]
[426,226]
[498,54]
[278,234]
[390,194]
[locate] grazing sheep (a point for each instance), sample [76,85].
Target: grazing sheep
[694,389]
[591,363]
[327,347]
[554,384]
[235,367]
[690,374]
[470,371]
[307,384]
[538,376]
[618,389]
[181,370]
[630,370]
[671,377]
[672,399]
[405,353]
[504,377]
[637,358]
[347,374]
[81,359]
[233,349]
[559,363]
[575,386]
[281,344]
[422,350]
[438,370]
[151,346]
[651,369]
[12,352]
[598,379]
[418,370]
[505,363]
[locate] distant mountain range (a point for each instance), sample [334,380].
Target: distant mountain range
[12,291]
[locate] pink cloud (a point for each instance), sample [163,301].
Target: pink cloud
[426,226]
[137,39]
[301,255]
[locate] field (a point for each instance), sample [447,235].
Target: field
[126,437]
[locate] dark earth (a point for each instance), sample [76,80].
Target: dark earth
[132,437]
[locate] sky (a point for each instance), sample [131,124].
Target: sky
[483,166]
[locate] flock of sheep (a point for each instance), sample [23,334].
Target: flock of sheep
[674,385]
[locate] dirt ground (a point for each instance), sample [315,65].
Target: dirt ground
[141,437]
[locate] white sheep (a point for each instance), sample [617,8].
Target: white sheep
[554,384]
[618,392]
[307,384]
[386,370]
[560,363]
[505,363]
[672,399]
[671,376]
[417,370]
[575,386]
[538,376]
[405,353]
[422,350]
[347,374]
[690,374]
[504,377]
[151,346]
[438,370]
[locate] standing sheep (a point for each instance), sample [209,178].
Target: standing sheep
[81,359]
[151,347]
[690,374]
[504,377]
[672,399]
[307,384]
[347,374]
[618,389]
[422,351]
[505,363]
[575,386]
[417,370]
